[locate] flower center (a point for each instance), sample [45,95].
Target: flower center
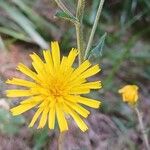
[56,92]
[56,89]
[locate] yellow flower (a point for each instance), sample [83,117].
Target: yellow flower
[55,89]
[129,94]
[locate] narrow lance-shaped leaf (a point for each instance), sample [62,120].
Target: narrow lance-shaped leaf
[2,45]
[25,23]
[66,16]
[97,51]
[35,17]
[15,34]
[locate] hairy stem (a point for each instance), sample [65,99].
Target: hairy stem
[145,138]
[94,28]
[79,30]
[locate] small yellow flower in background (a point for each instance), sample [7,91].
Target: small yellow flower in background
[129,94]
[56,89]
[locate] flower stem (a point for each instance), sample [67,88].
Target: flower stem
[61,140]
[145,138]
[94,28]
[79,30]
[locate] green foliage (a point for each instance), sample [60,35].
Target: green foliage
[2,44]
[96,52]
[66,16]
[129,9]
[9,124]
[15,34]
[23,23]
[40,138]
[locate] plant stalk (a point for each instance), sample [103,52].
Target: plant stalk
[94,28]
[61,140]
[79,30]
[145,137]
[80,43]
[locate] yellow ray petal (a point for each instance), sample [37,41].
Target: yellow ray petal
[76,82]
[51,118]
[61,118]
[69,98]
[55,54]
[77,119]
[85,87]
[43,119]
[136,98]
[37,60]
[124,97]
[39,66]
[65,70]
[67,74]
[40,90]
[22,108]
[71,57]
[34,99]
[90,72]
[21,82]
[49,62]
[121,90]
[48,57]
[79,90]
[39,69]
[24,69]
[63,64]
[19,93]
[79,109]
[45,103]
[35,117]
[86,101]
[84,66]
[91,85]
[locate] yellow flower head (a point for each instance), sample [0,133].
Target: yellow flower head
[129,94]
[55,89]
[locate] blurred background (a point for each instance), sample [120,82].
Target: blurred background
[27,26]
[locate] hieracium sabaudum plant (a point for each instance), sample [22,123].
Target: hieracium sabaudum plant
[56,87]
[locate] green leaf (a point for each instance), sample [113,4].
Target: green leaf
[15,34]
[40,22]
[2,44]
[97,51]
[40,138]
[119,124]
[66,16]
[9,124]
[24,23]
